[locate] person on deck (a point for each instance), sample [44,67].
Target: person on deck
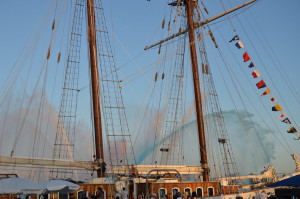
[124,194]
[140,196]
[134,171]
[178,195]
[262,195]
[100,193]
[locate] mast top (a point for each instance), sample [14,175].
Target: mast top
[198,24]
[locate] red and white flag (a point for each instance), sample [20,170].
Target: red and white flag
[255,73]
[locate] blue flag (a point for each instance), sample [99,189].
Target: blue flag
[251,65]
[234,38]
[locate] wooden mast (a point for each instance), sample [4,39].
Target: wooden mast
[190,5]
[95,87]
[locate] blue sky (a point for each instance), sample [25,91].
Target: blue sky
[136,24]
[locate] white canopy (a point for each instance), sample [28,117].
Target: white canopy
[19,186]
[61,186]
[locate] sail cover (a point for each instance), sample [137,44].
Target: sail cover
[46,163]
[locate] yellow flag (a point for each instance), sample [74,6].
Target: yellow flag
[277,107]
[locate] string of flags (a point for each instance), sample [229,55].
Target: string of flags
[261,84]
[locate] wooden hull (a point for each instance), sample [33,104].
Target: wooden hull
[201,189]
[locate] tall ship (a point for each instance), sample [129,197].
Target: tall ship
[155,124]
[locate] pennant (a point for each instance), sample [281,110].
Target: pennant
[255,74]
[239,45]
[261,84]
[272,99]
[292,130]
[266,92]
[281,116]
[246,57]
[251,65]
[277,107]
[287,121]
[234,38]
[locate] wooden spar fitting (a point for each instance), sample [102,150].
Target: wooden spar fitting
[95,85]
[199,24]
[190,6]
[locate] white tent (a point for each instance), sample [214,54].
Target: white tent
[19,186]
[61,186]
